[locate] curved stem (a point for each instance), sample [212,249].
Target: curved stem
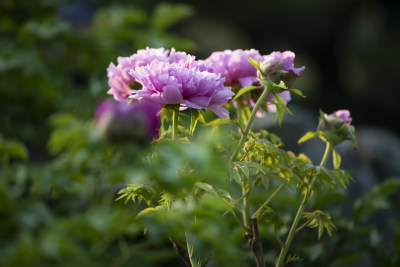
[262,99]
[299,214]
[246,208]
[328,151]
[175,118]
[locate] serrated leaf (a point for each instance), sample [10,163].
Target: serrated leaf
[321,220]
[142,192]
[245,90]
[293,258]
[309,135]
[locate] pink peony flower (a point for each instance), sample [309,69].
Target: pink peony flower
[121,82]
[186,82]
[234,66]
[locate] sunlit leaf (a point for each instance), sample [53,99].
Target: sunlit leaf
[244,90]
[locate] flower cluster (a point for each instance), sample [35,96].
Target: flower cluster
[162,77]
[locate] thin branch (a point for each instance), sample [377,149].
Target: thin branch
[267,201]
[237,201]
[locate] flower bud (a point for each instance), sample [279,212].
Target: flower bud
[279,66]
[337,126]
[269,69]
[120,122]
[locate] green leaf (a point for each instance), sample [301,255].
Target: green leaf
[297,92]
[149,210]
[16,149]
[234,174]
[336,159]
[283,104]
[242,167]
[255,64]
[309,135]
[322,116]
[279,111]
[206,187]
[245,90]
[280,108]
[280,87]
[352,132]
[220,121]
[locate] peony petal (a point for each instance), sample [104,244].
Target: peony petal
[220,111]
[172,95]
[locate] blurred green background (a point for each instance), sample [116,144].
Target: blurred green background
[53,60]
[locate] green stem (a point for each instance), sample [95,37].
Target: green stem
[328,151]
[261,100]
[175,118]
[246,208]
[299,214]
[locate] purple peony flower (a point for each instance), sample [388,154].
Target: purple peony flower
[187,82]
[122,121]
[234,66]
[121,82]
